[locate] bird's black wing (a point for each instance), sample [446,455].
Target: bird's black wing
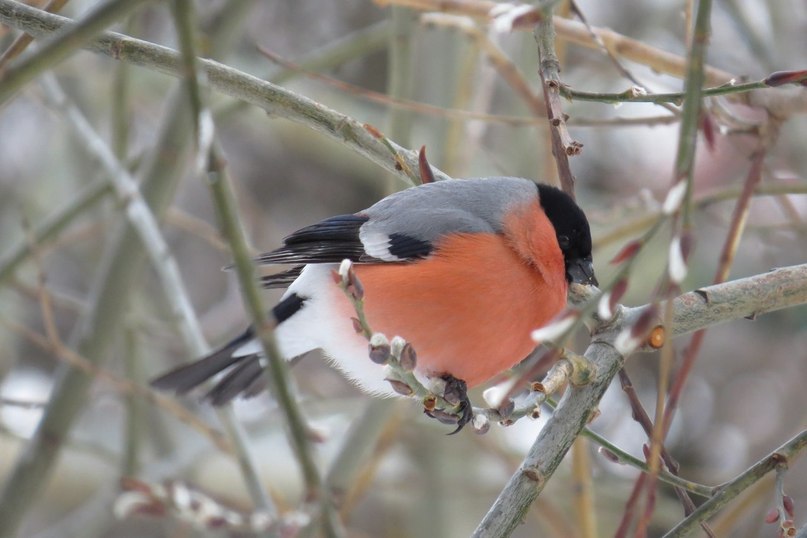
[335,239]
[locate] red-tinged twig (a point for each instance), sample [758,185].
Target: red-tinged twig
[679,205]
[630,507]
[641,416]
[727,254]
[426,173]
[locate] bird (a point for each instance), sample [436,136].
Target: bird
[462,269]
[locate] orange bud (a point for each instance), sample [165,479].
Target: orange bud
[657,337]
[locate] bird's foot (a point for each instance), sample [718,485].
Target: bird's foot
[455,394]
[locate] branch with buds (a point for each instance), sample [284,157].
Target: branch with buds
[190,506]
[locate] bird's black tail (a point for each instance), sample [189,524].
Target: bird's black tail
[245,375]
[246,370]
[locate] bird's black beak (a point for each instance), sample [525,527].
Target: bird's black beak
[581,271]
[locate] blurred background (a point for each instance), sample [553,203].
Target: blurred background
[745,398]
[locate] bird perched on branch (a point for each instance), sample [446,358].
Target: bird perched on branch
[464,270]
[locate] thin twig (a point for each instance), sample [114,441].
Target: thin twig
[505,67]
[400,79]
[337,52]
[359,441]
[184,14]
[277,371]
[634,95]
[563,145]
[133,434]
[640,415]
[693,104]
[624,71]
[621,456]
[784,455]
[727,254]
[121,385]
[139,215]
[21,404]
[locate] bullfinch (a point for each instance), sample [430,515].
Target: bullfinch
[464,270]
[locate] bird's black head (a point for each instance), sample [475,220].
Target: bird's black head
[573,233]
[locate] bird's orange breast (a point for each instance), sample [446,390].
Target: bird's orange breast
[469,308]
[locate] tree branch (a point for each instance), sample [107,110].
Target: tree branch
[759,294]
[782,456]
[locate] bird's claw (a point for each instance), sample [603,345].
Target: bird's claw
[456,394]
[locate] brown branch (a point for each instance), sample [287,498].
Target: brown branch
[727,254]
[563,146]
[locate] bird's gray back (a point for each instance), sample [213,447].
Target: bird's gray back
[452,206]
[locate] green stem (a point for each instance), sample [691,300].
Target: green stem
[693,103]
[277,372]
[399,77]
[184,20]
[631,96]
[119,109]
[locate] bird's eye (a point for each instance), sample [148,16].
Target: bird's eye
[563,242]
